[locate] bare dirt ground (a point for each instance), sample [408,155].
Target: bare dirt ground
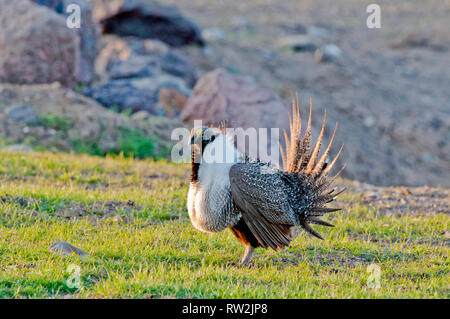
[388,91]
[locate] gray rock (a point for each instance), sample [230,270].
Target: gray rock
[17,148]
[136,94]
[36,46]
[328,53]
[214,34]
[176,64]
[65,249]
[135,66]
[22,114]
[123,95]
[146,19]
[318,32]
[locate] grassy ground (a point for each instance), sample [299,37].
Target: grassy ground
[129,216]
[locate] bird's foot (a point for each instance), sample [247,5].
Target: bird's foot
[247,255]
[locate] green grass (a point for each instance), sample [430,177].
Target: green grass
[151,250]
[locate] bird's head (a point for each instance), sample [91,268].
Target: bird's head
[203,136]
[212,145]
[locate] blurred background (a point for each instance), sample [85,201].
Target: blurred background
[135,70]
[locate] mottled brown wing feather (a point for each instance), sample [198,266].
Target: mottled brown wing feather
[267,232]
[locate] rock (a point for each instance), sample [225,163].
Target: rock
[318,32]
[220,96]
[22,114]
[214,34]
[371,196]
[123,95]
[135,66]
[88,34]
[370,121]
[17,148]
[297,43]
[136,94]
[141,115]
[417,40]
[64,249]
[56,5]
[172,101]
[137,58]
[151,47]
[427,158]
[176,64]
[36,46]
[160,81]
[328,53]
[294,28]
[146,19]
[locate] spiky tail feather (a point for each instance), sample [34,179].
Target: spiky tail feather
[298,158]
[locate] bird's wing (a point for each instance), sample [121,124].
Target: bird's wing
[263,202]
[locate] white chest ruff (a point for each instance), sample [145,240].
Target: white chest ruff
[210,204]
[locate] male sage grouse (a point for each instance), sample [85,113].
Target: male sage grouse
[258,206]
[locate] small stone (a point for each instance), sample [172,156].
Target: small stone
[370,121]
[141,116]
[371,196]
[318,32]
[65,249]
[328,53]
[214,34]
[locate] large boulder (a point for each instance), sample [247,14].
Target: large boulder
[88,32]
[220,96]
[146,19]
[132,57]
[36,46]
[136,94]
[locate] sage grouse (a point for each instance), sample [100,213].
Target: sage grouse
[260,206]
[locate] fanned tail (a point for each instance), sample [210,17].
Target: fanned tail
[298,158]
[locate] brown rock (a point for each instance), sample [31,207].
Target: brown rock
[172,101]
[88,32]
[220,96]
[35,45]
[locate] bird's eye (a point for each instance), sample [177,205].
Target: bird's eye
[212,138]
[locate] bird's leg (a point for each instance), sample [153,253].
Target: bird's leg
[247,255]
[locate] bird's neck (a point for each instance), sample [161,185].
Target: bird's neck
[195,164]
